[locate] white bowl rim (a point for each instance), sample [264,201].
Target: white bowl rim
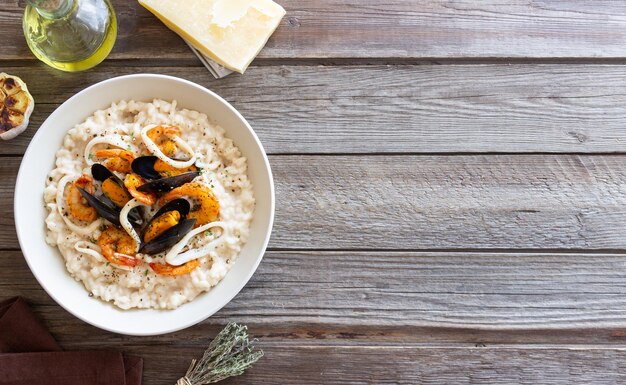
[225,300]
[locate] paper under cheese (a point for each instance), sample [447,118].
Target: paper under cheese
[231,32]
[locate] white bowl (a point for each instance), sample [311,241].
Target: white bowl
[46,262]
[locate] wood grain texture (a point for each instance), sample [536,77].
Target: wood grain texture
[444,109]
[440,366]
[370,277]
[403,365]
[405,290]
[346,365]
[461,202]
[363,305]
[396,29]
[432,202]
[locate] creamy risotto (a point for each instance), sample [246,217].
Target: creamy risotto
[149,204]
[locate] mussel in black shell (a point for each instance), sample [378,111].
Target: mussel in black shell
[167,184]
[101,173]
[109,210]
[150,167]
[105,208]
[112,186]
[144,167]
[114,195]
[168,238]
[182,206]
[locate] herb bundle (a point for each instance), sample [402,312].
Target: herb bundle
[229,354]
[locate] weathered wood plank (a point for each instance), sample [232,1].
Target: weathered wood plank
[478,108]
[417,202]
[433,202]
[439,366]
[292,289]
[346,364]
[405,290]
[308,361]
[404,29]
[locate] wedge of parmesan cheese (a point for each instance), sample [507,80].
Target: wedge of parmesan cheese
[231,32]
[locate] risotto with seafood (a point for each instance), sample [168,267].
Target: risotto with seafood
[149,204]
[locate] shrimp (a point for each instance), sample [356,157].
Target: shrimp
[117,160]
[206,208]
[162,137]
[118,247]
[76,204]
[160,224]
[165,142]
[167,170]
[132,181]
[167,269]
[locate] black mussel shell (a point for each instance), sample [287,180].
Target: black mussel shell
[168,184]
[180,205]
[168,238]
[105,200]
[135,217]
[108,210]
[144,167]
[100,173]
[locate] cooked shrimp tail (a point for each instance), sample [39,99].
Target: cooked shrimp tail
[77,206]
[205,209]
[118,247]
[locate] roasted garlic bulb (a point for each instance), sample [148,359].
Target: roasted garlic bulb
[16,105]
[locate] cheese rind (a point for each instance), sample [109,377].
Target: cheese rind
[231,32]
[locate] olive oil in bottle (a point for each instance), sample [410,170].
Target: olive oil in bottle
[70,35]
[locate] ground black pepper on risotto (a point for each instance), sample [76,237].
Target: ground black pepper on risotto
[149,205]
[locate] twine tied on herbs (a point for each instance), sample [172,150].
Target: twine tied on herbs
[228,355]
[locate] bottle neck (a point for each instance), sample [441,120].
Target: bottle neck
[52,9]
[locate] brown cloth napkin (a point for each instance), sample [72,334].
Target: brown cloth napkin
[30,355]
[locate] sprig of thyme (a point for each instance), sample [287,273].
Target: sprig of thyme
[229,354]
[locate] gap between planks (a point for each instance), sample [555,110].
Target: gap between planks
[389,296]
[404,110]
[526,202]
[363,28]
[193,62]
[432,366]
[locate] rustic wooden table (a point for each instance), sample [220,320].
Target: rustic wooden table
[451,191]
